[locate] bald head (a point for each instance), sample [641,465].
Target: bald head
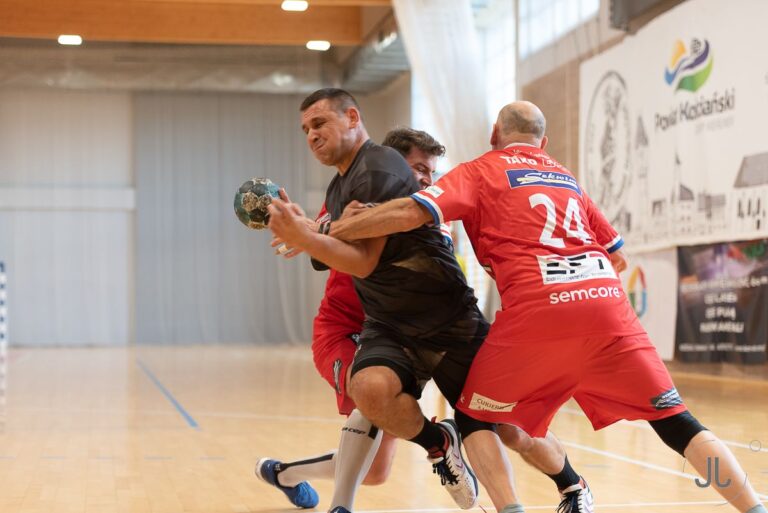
[520,122]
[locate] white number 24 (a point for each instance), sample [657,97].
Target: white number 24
[572,216]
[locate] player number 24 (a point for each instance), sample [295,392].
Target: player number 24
[572,216]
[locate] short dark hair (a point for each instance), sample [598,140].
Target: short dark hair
[339,98]
[403,139]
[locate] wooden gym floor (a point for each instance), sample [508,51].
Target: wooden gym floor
[168,430]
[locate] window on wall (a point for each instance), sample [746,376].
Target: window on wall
[544,21]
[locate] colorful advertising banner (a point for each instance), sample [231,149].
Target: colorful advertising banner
[723,302]
[672,127]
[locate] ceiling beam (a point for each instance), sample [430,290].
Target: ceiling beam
[174,21]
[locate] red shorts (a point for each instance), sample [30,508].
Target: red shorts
[333,353]
[612,378]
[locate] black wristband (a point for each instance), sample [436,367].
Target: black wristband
[327,228]
[321,228]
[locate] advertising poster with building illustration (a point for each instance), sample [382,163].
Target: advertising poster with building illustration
[723,301]
[673,127]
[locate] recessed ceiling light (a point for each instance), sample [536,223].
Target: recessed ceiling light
[70,39]
[384,41]
[281,79]
[295,5]
[320,46]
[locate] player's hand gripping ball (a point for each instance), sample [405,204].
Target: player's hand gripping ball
[251,201]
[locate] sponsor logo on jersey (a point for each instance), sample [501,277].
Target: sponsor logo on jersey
[519,159]
[337,375]
[591,265]
[548,162]
[482,403]
[668,399]
[568,296]
[528,177]
[434,191]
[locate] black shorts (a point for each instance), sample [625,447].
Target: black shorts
[445,356]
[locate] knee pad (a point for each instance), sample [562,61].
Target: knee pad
[356,423]
[678,430]
[467,425]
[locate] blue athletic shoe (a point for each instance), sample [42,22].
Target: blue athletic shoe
[301,495]
[339,509]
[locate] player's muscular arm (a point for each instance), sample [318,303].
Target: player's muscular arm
[399,215]
[358,259]
[355,208]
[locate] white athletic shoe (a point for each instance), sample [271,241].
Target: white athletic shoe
[577,499]
[455,474]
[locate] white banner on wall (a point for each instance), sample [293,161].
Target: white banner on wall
[673,138]
[650,283]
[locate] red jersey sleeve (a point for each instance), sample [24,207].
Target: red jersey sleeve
[454,196]
[606,235]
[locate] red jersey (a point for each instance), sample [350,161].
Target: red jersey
[544,241]
[340,309]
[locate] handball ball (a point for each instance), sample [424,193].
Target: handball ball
[251,201]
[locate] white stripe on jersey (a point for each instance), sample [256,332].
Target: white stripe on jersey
[437,214]
[445,229]
[615,244]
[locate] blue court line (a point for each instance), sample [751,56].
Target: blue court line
[190,421]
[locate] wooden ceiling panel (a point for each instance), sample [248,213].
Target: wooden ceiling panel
[258,22]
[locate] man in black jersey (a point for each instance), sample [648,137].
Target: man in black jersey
[363,456]
[421,317]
